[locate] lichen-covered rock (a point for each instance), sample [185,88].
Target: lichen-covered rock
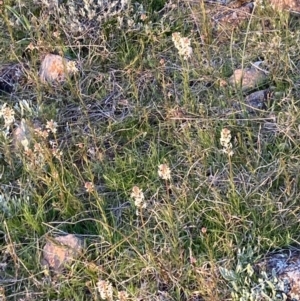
[285,267]
[60,251]
[248,78]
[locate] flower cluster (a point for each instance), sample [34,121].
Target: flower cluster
[34,142]
[139,198]
[8,115]
[105,290]
[183,45]
[51,126]
[164,172]
[122,296]
[36,157]
[225,141]
[89,187]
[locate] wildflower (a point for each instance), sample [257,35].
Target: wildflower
[38,148]
[51,126]
[29,154]
[143,17]
[55,175]
[53,144]
[42,134]
[225,137]
[223,83]
[72,67]
[8,115]
[89,187]
[164,172]
[105,289]
[225,141]
[138,196]
[39,158]
[183,45]
[203,230]
[57,153]
[162,62]
[122,296]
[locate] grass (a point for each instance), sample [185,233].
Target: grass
[135,105]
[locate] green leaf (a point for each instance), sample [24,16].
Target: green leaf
[22,19]
[228,275]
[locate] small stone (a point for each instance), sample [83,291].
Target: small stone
[258,100]
[248,78]
[10,76]
[60,251]
[55,68]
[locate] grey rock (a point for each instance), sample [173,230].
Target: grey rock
[10,75]
[285,266]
